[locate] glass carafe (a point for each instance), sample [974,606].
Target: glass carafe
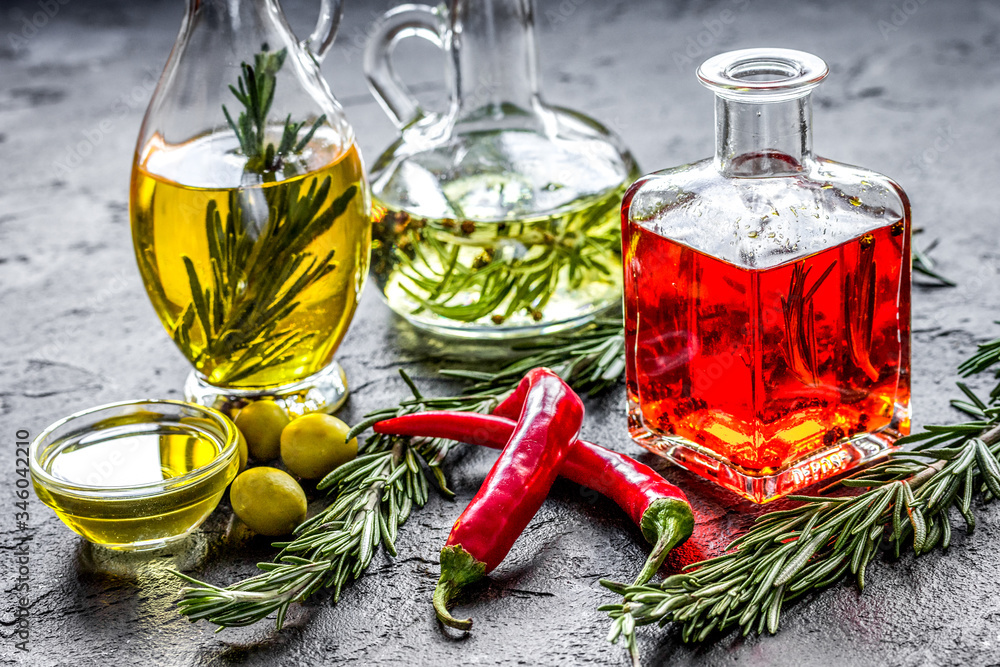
[767,294]
[250,208]
[499,217]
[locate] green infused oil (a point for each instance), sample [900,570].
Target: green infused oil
[472,277]
[136,481]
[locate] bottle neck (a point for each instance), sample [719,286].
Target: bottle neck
[231,18]
[493,47]
[762,139]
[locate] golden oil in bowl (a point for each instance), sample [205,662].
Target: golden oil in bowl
[135,475]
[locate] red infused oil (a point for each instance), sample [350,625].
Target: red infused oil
[763,367]
[767,295]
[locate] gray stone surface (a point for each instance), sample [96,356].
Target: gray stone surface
[913,93]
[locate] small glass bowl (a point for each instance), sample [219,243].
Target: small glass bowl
[135,475]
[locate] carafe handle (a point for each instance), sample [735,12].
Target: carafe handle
[321,39]
[410,20]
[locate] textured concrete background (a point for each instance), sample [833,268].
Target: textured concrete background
[913,93]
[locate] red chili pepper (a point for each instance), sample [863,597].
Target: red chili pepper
[669,520]
[659,508]
[514,490]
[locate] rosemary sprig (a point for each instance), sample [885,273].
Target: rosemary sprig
[591,360]
[468,271]
[375,494]
[255,91]
[256,281]
[924,265]
[372,496]
[789,553]
[798,311]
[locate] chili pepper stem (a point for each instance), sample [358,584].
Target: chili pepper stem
[666,523]
[458,569]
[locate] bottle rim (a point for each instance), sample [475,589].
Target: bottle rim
[763,75]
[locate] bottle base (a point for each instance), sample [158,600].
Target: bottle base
[324,391]
[763,487]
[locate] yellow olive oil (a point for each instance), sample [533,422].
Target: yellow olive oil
[255,277]
[129,483]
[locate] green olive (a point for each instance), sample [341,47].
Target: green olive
[261,423]
[315,444]
[268,500]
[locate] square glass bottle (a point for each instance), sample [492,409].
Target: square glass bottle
[767,294]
